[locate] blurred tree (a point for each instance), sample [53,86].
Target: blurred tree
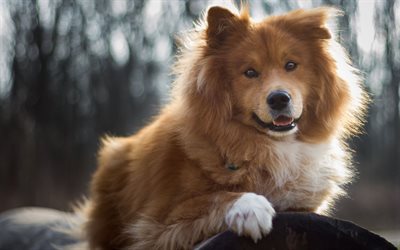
[79,69]
[386,26]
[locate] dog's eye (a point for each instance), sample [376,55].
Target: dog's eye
[290,66]
[251,73]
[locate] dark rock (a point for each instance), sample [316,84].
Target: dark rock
[45,229]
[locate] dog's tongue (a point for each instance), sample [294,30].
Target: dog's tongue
[282,121]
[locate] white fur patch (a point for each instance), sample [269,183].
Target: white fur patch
[305,171]
[250,215]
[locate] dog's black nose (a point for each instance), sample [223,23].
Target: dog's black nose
[278,99]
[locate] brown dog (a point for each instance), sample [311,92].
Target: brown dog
[257,123]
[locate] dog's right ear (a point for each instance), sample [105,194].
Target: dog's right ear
[221,23]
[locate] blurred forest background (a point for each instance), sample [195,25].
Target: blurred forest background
[74,70]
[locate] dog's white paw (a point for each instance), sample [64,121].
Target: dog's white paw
[250,215]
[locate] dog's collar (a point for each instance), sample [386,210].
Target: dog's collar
[231,166]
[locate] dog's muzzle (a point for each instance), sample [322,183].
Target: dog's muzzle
[281,110]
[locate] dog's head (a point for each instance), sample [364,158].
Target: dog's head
[281,76]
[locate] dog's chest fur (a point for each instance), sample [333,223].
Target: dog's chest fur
[303,175]
[290,173]
[295,175]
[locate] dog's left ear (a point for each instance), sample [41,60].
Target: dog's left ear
[222,23]
[310,24]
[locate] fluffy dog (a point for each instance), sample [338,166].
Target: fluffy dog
[257,123]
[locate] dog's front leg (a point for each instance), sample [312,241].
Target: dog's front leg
[199,218]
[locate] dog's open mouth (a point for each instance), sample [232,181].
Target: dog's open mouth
[280,124]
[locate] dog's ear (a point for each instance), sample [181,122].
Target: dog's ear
[221,23]
[310,24]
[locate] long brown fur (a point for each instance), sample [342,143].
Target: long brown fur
[168,187]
